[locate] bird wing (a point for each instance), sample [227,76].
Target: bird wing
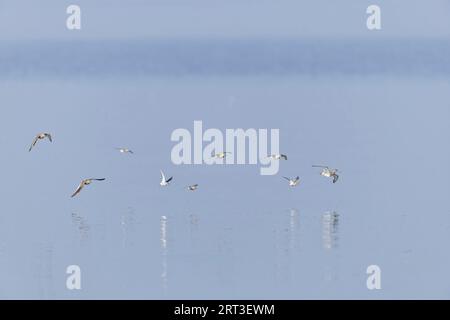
[101,179]
[297,178]
[284,156]
[335,178]
[170,179]
[288,179]
[49,136]
[34,143]
[163,177]
[78,189]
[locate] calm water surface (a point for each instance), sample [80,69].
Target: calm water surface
[241,235]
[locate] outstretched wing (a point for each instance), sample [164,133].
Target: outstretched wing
[288,179]
[34,143]
[317,166]
[163,177]
[335,178]
[49,136]
[170,179]
[101,179]
[283,156]
[80,187]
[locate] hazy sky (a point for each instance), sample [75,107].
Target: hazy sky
[20,19]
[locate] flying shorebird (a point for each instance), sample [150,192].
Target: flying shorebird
[85,182]
[164,182]
[328,172]
[125,150]
[278,157]
[221,155]
[293,182]
[192,187]
[40,136]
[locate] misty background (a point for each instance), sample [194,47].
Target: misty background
[374,104]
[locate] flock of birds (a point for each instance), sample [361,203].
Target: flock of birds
[293,182]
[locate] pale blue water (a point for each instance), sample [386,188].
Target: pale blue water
[226,57]
[378,112]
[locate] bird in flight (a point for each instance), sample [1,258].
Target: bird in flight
[328,172]
[125,150]
[40,136]
[293,182]
[164,182]
[278,157]
[84,182]
[221,155]
[192,187]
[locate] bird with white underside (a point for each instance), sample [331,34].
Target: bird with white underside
[40,136]
[328,172]
[83,183]
[221,155]
[278,157]
[192,187]
[293,182]
[125,150]
[164,182]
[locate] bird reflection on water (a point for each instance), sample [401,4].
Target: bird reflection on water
[127,224]
[193,229]
[43,269]
[330,230]
[82,226]
[163,237]
[287,246]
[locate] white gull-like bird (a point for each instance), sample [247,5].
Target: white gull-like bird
[164,182]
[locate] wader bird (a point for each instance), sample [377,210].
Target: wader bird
[83,183]
[328,172]
[125,150]
[278,157]
[293,182]
[38,137]
[221,155]
[192,187]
